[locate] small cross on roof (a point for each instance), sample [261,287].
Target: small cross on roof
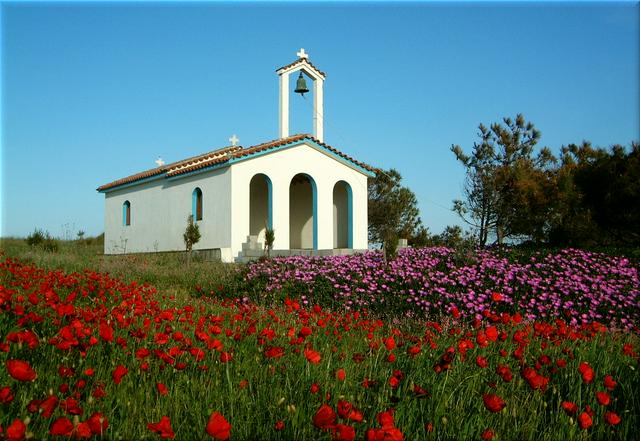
[234,140]
[302,54]
[159,161]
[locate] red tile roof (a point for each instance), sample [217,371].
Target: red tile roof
[223,155]
[298,61]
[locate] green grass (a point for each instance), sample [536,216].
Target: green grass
[169,272]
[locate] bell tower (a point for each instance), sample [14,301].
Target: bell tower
[303,65]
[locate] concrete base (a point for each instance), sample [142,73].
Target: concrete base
[247,256]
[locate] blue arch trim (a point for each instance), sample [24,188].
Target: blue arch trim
[315,212]
[349,215]
[126,210]
[194,204]
[269,202]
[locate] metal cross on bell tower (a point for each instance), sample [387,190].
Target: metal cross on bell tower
[304,66]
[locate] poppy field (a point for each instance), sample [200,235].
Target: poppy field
[87,355]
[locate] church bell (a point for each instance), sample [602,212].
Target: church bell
[301,85]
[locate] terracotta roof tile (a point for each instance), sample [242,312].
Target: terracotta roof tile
[298,61]
[223,155]
[167,167]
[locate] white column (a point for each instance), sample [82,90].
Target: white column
[318,109]
[280,200]
[325,214]
[284,105]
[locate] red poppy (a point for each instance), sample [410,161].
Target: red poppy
[16,430]
[6,396]
[391,358]
[106,332]
[226,357]
[98,423]
[162,389]
[347,411]
[612,418]
[603,398]
[279,425]
[385,419]
[21,370]
[481,361]
[343,433]
[325,418]
[218,427]
[341,374]
[492,333]
[586,371]
[274,352]
[496,296]
[429,427]
[384,434]
[584,420]
[312,356]
[389,343]
[505,372]
[71,406]
[82,430]
[61,427]
[314,389]
[569,407]
[119,372]
[609,382]
[162,428]
[487,434]
[412,351]
[493,402]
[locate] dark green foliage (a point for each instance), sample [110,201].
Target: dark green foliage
[393,212]
[191,234]
[600,194]
[269,238]
[42,239]
[35,238]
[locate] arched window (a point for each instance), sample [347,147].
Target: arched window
[126,213]
[196,204]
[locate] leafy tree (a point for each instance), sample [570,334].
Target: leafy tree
[191,235]
[599,192]
[506,187]
[393,212]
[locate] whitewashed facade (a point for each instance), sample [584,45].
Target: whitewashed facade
[312,195]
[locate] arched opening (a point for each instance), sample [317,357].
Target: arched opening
[126,213]
[260,203]
[303,218]
[342,216]
[196,204]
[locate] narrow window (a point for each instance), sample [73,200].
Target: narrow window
[197,204]
[126,213]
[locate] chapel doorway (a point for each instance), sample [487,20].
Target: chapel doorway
[342,216]
[260,210]
[303,227]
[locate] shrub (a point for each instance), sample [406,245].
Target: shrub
[42,239]
[35,238]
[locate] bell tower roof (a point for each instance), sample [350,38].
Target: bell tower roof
[302,63]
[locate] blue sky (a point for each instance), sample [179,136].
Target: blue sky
[94,92]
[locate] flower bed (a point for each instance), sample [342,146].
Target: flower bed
[575,285]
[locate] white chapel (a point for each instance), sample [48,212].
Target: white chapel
[312,195]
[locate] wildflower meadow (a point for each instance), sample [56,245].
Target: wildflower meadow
[432,345]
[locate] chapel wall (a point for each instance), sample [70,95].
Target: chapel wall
[159,211]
